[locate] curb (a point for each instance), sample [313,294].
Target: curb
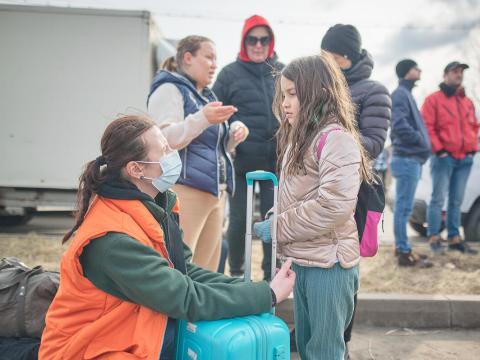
[411,311]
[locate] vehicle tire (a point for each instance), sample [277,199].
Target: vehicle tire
[422,229]
[419,228]
[15,220]
[472,226]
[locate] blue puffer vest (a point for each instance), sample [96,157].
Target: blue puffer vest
[200,167]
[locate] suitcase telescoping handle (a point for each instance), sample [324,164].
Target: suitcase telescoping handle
[253,176]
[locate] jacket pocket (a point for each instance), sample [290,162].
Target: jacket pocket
[97,350]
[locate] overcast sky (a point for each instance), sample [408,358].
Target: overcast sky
[432,32]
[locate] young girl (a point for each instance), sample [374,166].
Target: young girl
[317,198]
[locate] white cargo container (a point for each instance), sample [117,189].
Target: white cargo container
[65,74]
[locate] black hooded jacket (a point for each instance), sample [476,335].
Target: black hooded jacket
[250,87]
[373,104]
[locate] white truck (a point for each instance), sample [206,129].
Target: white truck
[65,73]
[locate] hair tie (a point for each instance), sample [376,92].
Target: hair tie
[100,160]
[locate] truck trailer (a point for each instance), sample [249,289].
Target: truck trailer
[65,74]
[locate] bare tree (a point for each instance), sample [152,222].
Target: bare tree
[472,56]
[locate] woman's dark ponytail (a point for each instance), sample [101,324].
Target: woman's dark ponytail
[90,182]
[121,143]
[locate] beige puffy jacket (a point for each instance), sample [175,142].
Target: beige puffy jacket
[316,225]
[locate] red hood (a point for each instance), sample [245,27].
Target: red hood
[250,23]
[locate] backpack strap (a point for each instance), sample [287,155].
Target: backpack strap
[322,141]
[21,296]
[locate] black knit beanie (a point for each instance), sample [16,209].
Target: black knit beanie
[343,40]
[403,67]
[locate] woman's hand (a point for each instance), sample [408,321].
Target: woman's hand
[216,113]
[282,284]
[238,131]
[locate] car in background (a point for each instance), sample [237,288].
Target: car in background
[470,206]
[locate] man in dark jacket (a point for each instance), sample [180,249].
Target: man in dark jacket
[453,128]
[411,149]
[371,98]
[248,84]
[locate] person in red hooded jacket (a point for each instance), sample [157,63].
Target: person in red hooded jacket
[248,84]
[453,129]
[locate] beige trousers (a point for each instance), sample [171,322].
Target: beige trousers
[201,219]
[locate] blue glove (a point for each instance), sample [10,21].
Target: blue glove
[263,230]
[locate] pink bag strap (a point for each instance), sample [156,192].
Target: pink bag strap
[322,141]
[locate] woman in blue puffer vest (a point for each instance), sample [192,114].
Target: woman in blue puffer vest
[195,123]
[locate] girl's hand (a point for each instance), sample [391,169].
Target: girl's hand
[282,284]
[263,230]
[238,131]
[216,113]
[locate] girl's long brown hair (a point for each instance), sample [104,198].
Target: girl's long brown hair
[324,99]
[121,143]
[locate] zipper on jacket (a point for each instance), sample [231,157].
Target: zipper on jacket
[185,163]
[269,124]
[457,101]
[218,162]
[264,86]
[229,158]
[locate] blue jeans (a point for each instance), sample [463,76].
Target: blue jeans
[450,176]
[407,172]
[323,308]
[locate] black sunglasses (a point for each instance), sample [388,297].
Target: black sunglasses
[253,40]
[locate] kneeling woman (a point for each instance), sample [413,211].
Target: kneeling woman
[127,275]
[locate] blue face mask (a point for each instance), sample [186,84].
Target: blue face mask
[171,167]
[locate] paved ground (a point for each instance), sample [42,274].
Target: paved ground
[374,343]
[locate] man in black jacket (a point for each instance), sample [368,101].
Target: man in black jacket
[248,83]
[371,98]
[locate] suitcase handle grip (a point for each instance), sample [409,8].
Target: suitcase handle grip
[261,175]
[251,177]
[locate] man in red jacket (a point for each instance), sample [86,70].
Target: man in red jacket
[453,129]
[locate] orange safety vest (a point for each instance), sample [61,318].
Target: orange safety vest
[84,322]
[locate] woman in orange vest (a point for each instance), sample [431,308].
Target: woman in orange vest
[126,275]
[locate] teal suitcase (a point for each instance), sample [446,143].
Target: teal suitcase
[255,337]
